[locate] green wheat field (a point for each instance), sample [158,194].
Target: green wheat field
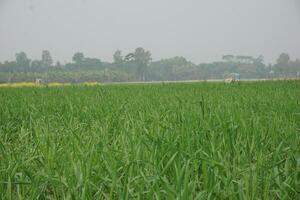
[151,141]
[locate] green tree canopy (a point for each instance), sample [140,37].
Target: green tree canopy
[22,61]
[78,57]
[47,60]
[142,58]
[118,59]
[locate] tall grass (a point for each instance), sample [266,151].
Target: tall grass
[168,141]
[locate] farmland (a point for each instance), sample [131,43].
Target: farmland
[160,141]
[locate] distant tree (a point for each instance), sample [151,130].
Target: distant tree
[91,63]
[118,59]
[259,59]
[36,65]
[22,61]
[83,63]
[129,57]
[282,64]
[175,68]
[228,58]
[78,57]
[293,68]
[297,67]
[142,58]
[47,60]
[9,66]
[245,59]
[57,64]
[261,68]
[284,59]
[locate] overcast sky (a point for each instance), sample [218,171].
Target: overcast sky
[200,30]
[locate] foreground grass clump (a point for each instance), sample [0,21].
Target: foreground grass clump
[185,141]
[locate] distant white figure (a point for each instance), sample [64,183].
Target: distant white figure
[40,81]
[232,78]
[228,80]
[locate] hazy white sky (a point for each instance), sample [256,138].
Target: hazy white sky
[200,30]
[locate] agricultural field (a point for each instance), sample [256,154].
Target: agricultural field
[159,141]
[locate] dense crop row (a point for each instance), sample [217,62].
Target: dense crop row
[166,141]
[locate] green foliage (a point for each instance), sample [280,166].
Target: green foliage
[78,57]
[138,66]
[159,141]
[118,59]
[287,67]
[140,60]
[22,62]
[47,60]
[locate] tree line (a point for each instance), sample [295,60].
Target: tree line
[139,66]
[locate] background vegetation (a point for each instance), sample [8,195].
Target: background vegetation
[138,66]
